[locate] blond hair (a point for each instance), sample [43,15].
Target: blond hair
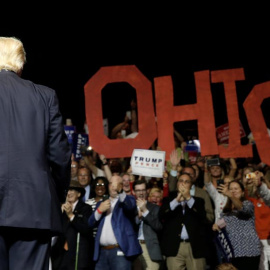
[225,266]
[156,189]
[12,54]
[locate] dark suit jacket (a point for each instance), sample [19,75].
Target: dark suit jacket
[194,220]
[151,230]
[199,192]
[123,225]
[62,259]
[34,155]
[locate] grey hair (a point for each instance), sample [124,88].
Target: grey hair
[12,54]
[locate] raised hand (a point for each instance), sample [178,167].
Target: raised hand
[174,159]
[104,206]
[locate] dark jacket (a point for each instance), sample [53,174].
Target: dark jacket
[151,230]
[34,155]
[194,220]
[62,259]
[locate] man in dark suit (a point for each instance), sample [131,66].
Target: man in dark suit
[149,227]
[77,236]
[35,162]
[84,178]
[183,240]
[116,242]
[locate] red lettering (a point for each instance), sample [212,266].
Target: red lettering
[252,106]
[228,77]
[167,114]
[93,107]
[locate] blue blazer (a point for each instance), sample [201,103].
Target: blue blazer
[123,217]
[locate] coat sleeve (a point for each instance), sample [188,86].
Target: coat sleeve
[152,219]
[58,149]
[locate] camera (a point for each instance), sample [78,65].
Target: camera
[86,150]
[250,175]
[213,162]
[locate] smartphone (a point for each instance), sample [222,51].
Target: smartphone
[250,175]
[213,162]
[220,182]
[86,150]
[105,197]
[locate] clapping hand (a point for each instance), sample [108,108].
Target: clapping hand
[183,193]
[141,205]
[67,207]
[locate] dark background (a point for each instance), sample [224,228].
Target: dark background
[65,48]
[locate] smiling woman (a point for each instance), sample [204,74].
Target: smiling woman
[155,196]
[99,192]
[238,215]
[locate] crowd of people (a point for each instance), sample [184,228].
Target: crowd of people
[139,222]
[204,213]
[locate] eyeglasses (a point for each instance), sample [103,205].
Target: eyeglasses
[140,190]
[73,166]
[100,184]
[184,181]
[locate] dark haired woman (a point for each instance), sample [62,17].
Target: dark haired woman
[239,221]
[99,190]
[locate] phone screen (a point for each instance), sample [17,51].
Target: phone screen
[220,181]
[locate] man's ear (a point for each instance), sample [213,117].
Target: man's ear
[19,73]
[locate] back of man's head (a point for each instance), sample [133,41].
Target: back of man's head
[12,54]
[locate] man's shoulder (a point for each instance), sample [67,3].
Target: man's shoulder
[83,205]
[131,197]
[152,206]
[198,199]
[200,192]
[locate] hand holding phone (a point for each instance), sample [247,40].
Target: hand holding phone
[220,182]
[213,162]
[251,175]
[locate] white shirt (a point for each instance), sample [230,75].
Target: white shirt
[139,221]
[219,199]
[107,235]
[87,193]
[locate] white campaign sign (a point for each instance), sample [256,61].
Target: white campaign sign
[148,162]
